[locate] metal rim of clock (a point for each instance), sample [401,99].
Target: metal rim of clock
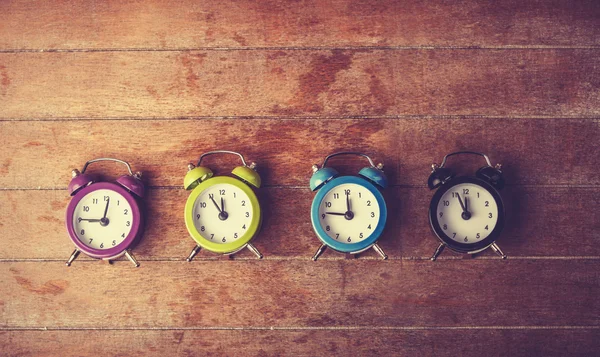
[119,249]
[353,248]
[449,242]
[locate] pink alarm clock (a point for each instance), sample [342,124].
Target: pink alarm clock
[105,219]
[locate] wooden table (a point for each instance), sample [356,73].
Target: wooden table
[157,83]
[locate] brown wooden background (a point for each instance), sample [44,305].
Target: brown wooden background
[157,83]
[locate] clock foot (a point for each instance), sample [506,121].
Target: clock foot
[132,258]
[319,252]
[254,250]
[193,253]
[72,257]
[438,251]
[378,249]
[498,250]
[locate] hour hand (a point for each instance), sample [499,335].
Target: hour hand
[462,205]
[216,205]
[336,213]
[88,219]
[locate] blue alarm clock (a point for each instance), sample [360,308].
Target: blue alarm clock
[348,213]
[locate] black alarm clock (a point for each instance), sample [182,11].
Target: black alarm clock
[466,212]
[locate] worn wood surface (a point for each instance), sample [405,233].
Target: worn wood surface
[305,342]
[551,152]
[75,25]
[293,83]
[159,82]
[287,233]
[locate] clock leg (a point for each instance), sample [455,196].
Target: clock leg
[438,251]
[254,250]
[378,249]
[193,253]
[498,251]
[319,252]
[132,258]
[72,257]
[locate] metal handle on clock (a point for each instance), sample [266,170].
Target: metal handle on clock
[487,159]
[107,159]
[221,152]
[349,153]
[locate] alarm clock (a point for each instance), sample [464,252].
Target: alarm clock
[466,212]
[222,213]
[348,213]
[105,219]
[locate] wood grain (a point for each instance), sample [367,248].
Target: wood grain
[301,293]
[159,82]
[538,225]
[286,83]
[494,342]
[191,24]
[532,151]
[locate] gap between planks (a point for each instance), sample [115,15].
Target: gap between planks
[307,258]
[305,48]
[300,328]
[308,117]
[293,187]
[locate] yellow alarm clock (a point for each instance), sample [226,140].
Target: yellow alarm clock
[222,213]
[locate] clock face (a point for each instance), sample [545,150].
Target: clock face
[102,219]
[467,213]
[223,213]
[349,213]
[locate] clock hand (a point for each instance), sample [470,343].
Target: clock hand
[336,213]
[106,209]
[216,205]
[222,215]
[88,219]
[104,220]
[349,214]
[348,202]
[461,203]
[466,215]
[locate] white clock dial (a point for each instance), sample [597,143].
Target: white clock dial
[98,230]
[349,225]
[467,213]
[222,213]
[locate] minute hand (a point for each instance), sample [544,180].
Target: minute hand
[461,203]
[106,209]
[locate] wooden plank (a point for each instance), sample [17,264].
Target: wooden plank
[301,293]
[190,24]
[539,152]
[541,221]
[495,342]
[287,83]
